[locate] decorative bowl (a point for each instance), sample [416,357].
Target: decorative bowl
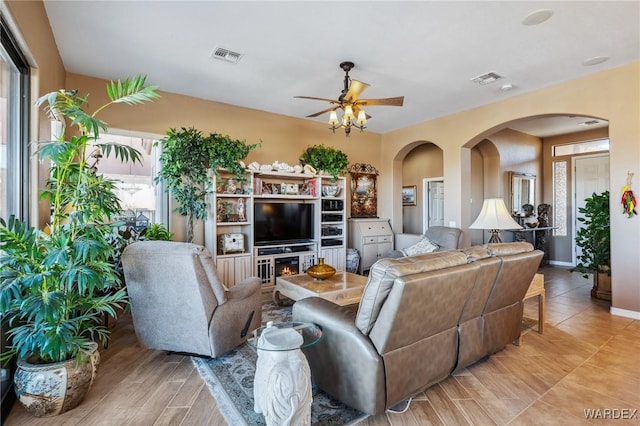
[532,224]
[321,271]
[330,190]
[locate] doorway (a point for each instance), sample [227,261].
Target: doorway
[433,209]
[591,175]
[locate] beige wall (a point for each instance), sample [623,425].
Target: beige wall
[424,161]
[283,138]
[613,95]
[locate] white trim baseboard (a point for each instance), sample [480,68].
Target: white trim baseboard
[625,313]
[558,263]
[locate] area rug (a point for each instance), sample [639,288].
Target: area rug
[230,380]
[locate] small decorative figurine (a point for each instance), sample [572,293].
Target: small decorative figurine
[240,208]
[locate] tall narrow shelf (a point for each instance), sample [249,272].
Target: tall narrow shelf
[332,220]
[229,231]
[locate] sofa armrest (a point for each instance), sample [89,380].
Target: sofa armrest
[402,241]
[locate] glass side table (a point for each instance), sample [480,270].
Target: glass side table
[282,384]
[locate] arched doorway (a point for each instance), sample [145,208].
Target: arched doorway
[528,145]
[422,161]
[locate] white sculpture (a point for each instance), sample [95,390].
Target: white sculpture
[282,384]
[241,217]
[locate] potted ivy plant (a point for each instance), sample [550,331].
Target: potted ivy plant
[325,158]
[57,284]
[595,244]
[188,161]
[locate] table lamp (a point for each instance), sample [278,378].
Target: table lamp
[494,217]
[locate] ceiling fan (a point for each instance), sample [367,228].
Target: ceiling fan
[354,115]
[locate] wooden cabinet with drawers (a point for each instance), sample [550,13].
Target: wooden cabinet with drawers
[373,238]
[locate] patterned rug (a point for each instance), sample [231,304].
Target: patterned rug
[230,380]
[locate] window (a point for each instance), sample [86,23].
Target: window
[136,189]
[560,198]
[14,122]
[581,147]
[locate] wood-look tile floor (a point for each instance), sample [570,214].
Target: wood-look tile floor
[587,359]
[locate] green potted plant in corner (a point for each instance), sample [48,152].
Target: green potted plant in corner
[57,284]
[187,161]
[595,245]
[325,158]
[156,232]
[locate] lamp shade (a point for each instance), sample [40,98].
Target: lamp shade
[333,118]
[494,215]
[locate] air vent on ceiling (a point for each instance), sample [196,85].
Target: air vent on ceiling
[487,78]
[588,123]
[226,55]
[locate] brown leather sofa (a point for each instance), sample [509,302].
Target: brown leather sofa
[420,318]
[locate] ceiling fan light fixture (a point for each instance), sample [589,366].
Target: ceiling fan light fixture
[362,118]
[348,112]
[348,101]
[333,118]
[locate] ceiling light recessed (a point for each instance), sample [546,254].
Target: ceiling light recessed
[225,55]
[506,87]
[537,17]
[486,78]
[595,60]
[589,123]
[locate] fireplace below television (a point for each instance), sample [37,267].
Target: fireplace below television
[287,266]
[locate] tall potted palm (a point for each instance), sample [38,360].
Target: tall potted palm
[57,284]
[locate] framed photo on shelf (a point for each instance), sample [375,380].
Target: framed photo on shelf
[409,195]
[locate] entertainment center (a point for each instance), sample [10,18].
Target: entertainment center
[272,223]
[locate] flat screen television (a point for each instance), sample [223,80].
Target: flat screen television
[282,223]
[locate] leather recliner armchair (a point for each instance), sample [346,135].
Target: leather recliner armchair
[179,304]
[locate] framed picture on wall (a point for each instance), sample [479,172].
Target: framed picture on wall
[364,192]
[409,195]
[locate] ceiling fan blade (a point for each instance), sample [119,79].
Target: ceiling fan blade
[355,88]
[333,101]
[397,101]
[322,112]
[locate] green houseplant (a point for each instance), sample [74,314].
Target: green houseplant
[156,231]
[188,159]
[325,158]
[57,284]
[595,245]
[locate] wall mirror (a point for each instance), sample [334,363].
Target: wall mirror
[523,189]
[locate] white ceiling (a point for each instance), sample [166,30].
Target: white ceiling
[426,51]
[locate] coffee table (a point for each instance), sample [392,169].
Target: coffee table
[344,288]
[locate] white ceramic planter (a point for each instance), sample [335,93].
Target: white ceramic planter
[50,389]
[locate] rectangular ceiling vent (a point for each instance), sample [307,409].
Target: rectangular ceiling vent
[487,78]
[226,55]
